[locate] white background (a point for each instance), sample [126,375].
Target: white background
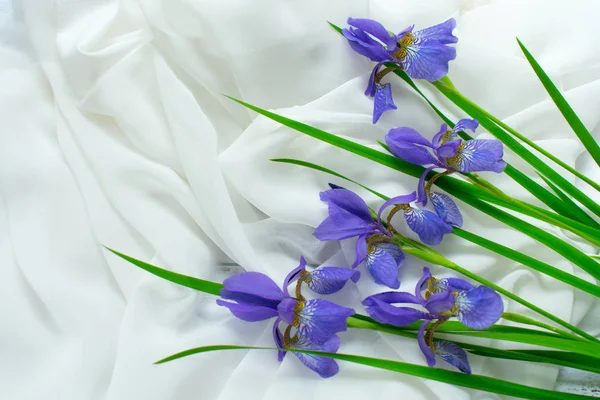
[114,132]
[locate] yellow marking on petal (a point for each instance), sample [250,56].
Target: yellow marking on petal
[297,310]
[454,160]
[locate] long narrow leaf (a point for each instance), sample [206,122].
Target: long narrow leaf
[484,119]
[578,127]
[477,382]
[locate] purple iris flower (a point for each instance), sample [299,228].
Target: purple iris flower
[477,307]
[448,151]
[349,216]
[256,297]
[324,366]
[423,54]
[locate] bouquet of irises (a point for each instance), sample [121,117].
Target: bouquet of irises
[307,325]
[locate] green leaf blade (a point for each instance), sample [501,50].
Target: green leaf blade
[566,110]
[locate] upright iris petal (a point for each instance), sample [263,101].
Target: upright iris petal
[349,216]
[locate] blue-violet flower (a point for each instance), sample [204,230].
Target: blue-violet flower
[477,307]
[423,54]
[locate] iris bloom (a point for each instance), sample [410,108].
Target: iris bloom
[255,297]
[349,216]
[477,307]
[423,54]
[448,151]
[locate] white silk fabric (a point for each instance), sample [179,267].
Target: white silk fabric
[115,132]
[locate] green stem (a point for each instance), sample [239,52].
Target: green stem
[514,317]
[592,235]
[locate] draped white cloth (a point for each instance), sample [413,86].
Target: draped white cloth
[114,131]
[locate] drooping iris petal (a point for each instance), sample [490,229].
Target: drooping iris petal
[453,354]
[428,59]
[479,155]
[383,264]
[383,101]
[294,274]
[479,308]
[320,319]
[324,366]
[446,208]
[427,351]
[327,280]
[361,250]
[253,284]
[380,308]
[278,338]
[408,145]
[440,32]
[430,228]
[466,123]
[248,312]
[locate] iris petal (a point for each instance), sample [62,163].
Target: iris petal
[383,264]
[446,208]
[466,123]
[410,146]
[421,284]
[324,366]
[361,250]
[320,319]
[440,32]
[327,280]
[480,155]
[479,308]
[278,338]
[453,354]
[247,312]
[430,228]
[383,101]
[294,274]
[253,283]
[428,59]
[427,351]
[380,308]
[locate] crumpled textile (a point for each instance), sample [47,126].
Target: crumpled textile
[115,132]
